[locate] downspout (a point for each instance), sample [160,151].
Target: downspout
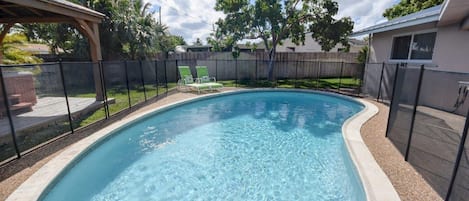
[370,38]
[367,60]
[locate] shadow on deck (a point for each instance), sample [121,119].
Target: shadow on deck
[433,149]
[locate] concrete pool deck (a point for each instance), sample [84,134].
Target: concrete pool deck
[407,182]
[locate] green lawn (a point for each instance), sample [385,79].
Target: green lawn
[324,83]
[119,95]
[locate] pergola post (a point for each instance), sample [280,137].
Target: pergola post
[91,31]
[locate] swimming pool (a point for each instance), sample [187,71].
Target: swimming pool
[264,145]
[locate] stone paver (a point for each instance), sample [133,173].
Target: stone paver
[47,109]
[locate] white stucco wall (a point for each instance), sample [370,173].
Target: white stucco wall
[451,52]
[452,49]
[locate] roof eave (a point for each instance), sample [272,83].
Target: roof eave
[427,19]
[80,9]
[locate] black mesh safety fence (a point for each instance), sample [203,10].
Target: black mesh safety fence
[428,122]
[387,82]
[305,74]
[136,82]
[372,79]
[460,187]
[149,78]
[427,119]
[37,104]
[400,117]
[43,102]
[116,86]
[161,77]
[82,82]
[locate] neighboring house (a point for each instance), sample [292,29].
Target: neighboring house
[310,45]
[260,47]
[36,49]
[192,48]
[438,36]
[43,51]
[287,46]
[208,48]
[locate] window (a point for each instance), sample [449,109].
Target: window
[400,49]
[420,46]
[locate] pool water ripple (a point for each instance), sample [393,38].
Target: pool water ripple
[248,146]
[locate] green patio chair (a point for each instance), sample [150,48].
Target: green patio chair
[187,81]
[204,78]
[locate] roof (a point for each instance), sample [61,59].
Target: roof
[259,46]
[424,16]
[454,11]
[76,7]
[34,11]
[356,42]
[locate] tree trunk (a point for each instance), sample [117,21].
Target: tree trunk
[272,63]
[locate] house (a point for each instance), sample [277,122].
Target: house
[437,36]
[192,48]
[259,47]
[310,45]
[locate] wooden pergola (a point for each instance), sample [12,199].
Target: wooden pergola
[55,11]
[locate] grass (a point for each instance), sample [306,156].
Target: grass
[323,83]
[120,98]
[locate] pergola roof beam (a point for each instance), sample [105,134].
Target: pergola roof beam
[8,11]
[62,8]
[35,11]
[30,20]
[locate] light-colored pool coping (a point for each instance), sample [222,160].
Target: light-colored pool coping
[375,182]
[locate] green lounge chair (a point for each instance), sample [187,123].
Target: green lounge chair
[187,81]
[204,78]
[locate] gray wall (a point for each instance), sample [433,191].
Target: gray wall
[451,46]
[439,90]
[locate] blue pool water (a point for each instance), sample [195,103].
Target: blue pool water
[245,146]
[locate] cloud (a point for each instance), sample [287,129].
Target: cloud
[189,19]
[194,19]
[193,26]
[364,13]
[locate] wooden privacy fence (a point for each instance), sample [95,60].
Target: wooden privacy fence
[280,56]
[258,69]
[255,65]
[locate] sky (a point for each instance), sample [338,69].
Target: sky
[193,19]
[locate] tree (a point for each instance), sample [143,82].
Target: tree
[129,30]
[274,21]
[198,42]
[362,55]
[136,28]
[168,43]
[406,7]
[177,40]
[12,54]
[61,38]
[219,42]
